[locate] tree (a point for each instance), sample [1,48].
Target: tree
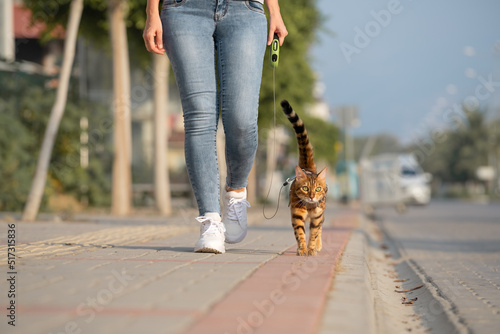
[24,101]
[36,192]
[162,184]
[122,176]
[456,153]
[467,149]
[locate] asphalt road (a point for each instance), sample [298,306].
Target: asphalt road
[456,245]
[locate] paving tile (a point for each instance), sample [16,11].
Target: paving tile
[125,276]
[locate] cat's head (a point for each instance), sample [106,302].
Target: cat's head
[310,188]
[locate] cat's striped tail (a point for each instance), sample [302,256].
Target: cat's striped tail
[306,160]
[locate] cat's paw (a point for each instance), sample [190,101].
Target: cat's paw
[302,252]
[312,252]
[319,245]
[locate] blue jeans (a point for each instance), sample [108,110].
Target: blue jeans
[216,49]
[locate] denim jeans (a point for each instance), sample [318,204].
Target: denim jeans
[216,49]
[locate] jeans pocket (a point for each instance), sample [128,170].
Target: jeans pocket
[255,6]
[172,3]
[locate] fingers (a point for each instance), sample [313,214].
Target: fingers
[159,42]
[281,35]
[154,43]
[270,37]
[153,40]
[276,25]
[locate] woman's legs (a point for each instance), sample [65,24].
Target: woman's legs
[200,35]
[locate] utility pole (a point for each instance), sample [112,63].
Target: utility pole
[348,118]
[494,133]
[161,179]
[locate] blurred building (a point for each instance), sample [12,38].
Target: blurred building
[20,47]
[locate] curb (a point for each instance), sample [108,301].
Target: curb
[406,299]
[351,290]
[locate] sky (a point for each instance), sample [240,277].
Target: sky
[406,65]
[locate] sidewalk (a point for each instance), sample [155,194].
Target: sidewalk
[133,276]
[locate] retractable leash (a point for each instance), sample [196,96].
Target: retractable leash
[275,51]
[274,56]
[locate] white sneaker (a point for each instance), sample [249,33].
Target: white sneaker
[211,234]
[235,215]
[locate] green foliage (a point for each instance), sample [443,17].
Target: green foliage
[294,76]
[25,106]
[15,162]
[455,154]
[94,24]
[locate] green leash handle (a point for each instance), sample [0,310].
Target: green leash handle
[275,51]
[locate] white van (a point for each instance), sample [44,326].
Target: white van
[414,182]
[393,180]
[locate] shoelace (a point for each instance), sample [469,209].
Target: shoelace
[235,209]
[211,227]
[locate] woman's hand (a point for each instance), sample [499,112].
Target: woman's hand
[153,34]
[276,24]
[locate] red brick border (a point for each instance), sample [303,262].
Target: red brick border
[285,295]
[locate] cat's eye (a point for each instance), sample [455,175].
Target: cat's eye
[305,188]
[318,189]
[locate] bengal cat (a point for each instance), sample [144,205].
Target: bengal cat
[307,191]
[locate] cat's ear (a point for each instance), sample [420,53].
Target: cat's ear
[322,174]
[299,174]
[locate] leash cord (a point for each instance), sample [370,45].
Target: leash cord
[290,179]
[274,151]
